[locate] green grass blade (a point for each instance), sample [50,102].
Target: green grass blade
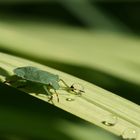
[114,54]
[97,105]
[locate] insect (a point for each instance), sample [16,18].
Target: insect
[46,79]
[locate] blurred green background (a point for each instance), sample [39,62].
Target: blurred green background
[115,22]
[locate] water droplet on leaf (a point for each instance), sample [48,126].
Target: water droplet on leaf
[129,134]
[69,99]
[110,120]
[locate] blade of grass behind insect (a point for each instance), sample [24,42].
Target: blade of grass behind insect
[115,54]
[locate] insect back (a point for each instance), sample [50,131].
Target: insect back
[37,77]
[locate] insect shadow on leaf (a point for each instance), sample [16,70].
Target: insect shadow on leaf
[4,73]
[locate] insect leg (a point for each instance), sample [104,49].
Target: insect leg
[77,88]
[49,93]
[15,81]
[10,79]
[56,95]
[7,82]
[69,89]
[64,83]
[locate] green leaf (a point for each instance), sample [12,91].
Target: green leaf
[97,105]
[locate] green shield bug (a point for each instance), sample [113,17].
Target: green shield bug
[46,79]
